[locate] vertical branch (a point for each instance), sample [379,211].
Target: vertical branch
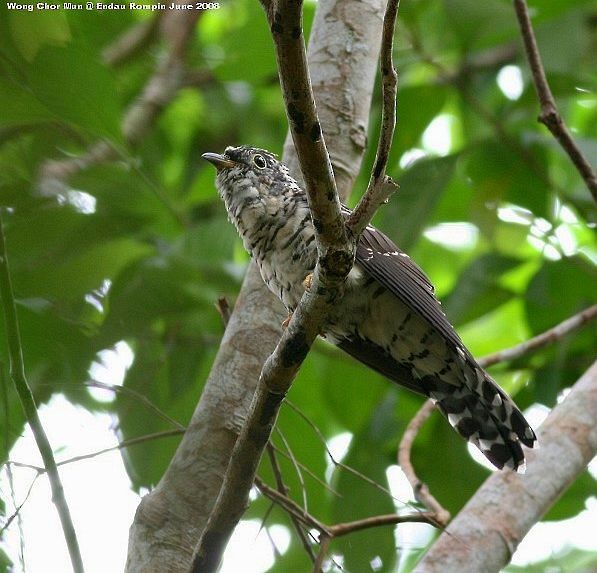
[17,373]
[549,115]
[380,186]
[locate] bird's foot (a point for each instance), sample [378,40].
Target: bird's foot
[308,281]
[286,321]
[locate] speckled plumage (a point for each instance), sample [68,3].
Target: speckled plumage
[388,317]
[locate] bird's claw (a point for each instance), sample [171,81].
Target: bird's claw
[286,321]
[308,281]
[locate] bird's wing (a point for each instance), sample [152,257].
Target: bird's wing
[393,269]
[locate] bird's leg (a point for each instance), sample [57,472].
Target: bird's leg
[286,321]
[308,281]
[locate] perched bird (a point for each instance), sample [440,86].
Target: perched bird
[388,317]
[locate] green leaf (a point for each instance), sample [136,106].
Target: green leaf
[417,106]
[77,88]
[480,23]
[34,30]
[247,43]
[352,392]
[20,107]
[501,328]
[412,205]
[478,291]
[501,173]
[559,290]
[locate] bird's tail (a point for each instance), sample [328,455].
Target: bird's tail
[482,413]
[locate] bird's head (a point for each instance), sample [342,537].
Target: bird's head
[252,183]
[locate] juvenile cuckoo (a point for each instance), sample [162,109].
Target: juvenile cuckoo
[388,316]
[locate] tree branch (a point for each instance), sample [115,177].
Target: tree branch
[285,21]
[549,115]
[329,532]
[17,373]
[420,489]
[548,337]
[508,504]
[381,186]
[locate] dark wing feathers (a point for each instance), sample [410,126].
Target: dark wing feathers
[393,269]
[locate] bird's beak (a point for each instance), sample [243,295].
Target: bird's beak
[219,161]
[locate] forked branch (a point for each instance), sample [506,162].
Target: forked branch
[381,186]
[336,255]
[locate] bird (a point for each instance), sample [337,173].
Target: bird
[387,317]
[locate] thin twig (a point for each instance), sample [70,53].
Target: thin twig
[380,185]
[324,545]
[143,400]
[289,505]
[329,532]
[420,489]
[382,520]
[549,115]
[223,308]
[283,488]
[550,336]
[17,373]
[297,467]
[309,472]
[17,512]
[124,444]
[337,463]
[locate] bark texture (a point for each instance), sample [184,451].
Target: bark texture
[343,53]
[484,535]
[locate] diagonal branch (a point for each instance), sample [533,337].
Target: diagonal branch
[549,115]
[381,186]
[545,338]
[17,373]
[285,21]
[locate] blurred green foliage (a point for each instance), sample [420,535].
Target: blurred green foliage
[138,249]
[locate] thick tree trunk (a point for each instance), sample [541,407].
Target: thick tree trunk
[485,534]
[343,54]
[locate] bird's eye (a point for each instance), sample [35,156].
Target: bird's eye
[259,161]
